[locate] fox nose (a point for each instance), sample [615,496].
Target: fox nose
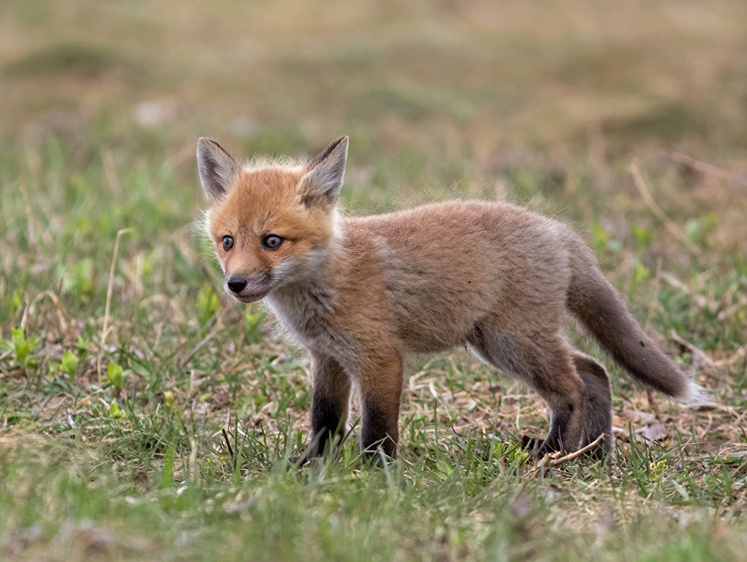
[236,284]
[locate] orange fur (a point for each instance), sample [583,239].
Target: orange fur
[362,293]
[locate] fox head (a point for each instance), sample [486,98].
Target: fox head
[272,223]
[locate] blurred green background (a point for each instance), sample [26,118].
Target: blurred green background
[117,375]
[492,83]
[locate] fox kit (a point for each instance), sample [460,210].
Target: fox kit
[362,293]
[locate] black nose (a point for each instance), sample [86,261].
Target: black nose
[236,284]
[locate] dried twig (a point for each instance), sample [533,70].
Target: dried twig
[699,300]
[110,170]
[59,307]
[693,349]
[671,227]
[653,405]
[109,297]
[554,459]
[737,181]
[575,454]
[739,355]
[228,442]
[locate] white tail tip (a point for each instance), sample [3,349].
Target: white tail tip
[696,394]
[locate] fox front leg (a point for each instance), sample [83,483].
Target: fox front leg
[330,396]
[381,390]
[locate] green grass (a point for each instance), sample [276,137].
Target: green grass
[162,430]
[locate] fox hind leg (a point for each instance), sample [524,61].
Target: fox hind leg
[598,402]
[545,363]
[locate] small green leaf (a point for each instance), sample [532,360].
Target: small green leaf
[78,279]
[83,344]
[681,491]
[208,302]
[69,362]
[22,346]
[16,301]
[115,412]
[694,231]
[641,273]
[518,457]
[642,236]
[115,375]
[600,236]
[445,468]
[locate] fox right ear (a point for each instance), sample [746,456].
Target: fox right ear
[322,183]
[218,169]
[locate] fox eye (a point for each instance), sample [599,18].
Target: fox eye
[273,241]
[227,243]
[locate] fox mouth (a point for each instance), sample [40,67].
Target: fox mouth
[250,297]
[248,290]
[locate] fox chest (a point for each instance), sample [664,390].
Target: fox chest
[306,316]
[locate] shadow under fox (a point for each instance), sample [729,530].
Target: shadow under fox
[362,293]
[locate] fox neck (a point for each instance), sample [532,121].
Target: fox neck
[304,306]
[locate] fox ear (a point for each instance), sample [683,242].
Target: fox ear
[218,169]
[321,184]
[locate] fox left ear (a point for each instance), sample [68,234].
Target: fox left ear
[322,183]
[218,170]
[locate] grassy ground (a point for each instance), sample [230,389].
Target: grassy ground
[142,416]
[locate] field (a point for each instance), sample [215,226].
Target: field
[143,416]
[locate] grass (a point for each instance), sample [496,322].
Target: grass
[162,429]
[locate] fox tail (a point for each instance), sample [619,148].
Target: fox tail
[596,303]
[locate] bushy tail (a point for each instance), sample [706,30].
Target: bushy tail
[596,303]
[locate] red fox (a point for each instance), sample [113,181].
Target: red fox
[362,293]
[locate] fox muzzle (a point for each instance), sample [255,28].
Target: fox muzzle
[248,289]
